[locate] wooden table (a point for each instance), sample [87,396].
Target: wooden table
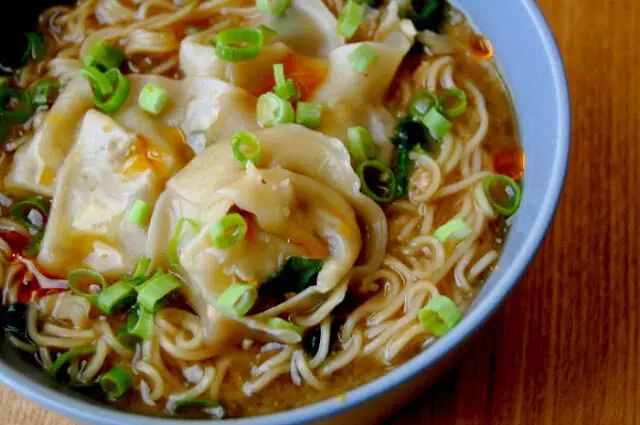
[565,348]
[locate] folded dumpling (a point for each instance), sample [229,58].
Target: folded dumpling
[301,200]
[106,171]
[200,111]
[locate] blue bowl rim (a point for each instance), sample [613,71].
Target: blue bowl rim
[86,412]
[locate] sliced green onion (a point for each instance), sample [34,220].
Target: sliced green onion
[227,232]
[453,103]
[20,212]
[153,98]
[121,86]
[503,193]
[117,382]
[174,241]
[4,128]
[237,300]
[116,297]
[360,144]
[65,358]
[438,125]
[155,290]
[103,56]
[20,114]
[278,323]
[272,110]
[439,316]
[362,57]
[246,147]
[78,276]
[101,85]
[43,91]
[274,7]
[140,323]
[288,91]
[422,103]
[35,47]
[267,33]
[309,114]
[278,73]
[141,267]
[211,408]
[238,44]
[139,213]
[453,231]
[377,181]
[350,19]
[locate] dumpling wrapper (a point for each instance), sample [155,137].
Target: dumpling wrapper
[299,167]
[204,109]
[88,225]
[353,98]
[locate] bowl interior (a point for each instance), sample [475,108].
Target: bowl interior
[533,71]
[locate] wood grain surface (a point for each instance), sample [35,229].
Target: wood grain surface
[564,349]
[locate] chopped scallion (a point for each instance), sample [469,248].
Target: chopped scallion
[351,19]
[43,92]
[116,382]
[174,241]
[453,103]
[65,358]
[116,297]
[439,316]
[362,57]
[139,213]
[455,230]
[120,91]
[237,300]
[377,181]
[438,125]
[309,114]
[140,323]
[272,110]
[228,231]
[278,74]
[360,144]
[101,85]
[278,323]
[246,147]
[503,193]
[86,283]
[422,103]
[274,7]
[155,290]
[287,91]
[153,98]
[238,44]
[103,56]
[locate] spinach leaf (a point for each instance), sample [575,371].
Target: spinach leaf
[295,275]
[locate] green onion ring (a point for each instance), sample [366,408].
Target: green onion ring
[228,231]
[350,19]
[174,241]
[246,147]
[422,103]
[387,177]
[360,144]
[88,274]
[101,85]
[116,382]
[512,190]
[35,47]
[121,85]
[237,300]
[20,115]
[251,39]
[65,358]
[459,106]
[271,110]
[439,316]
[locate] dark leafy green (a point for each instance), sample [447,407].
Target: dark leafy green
[428,14]
[296,275]
[410,134]
[14,322]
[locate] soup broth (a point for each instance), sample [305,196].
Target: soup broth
[252,272]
